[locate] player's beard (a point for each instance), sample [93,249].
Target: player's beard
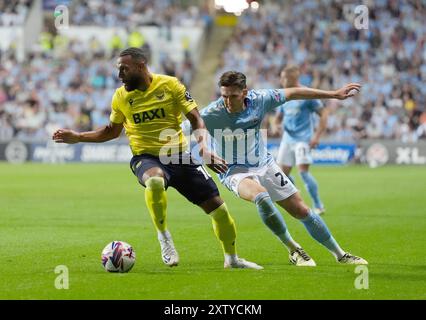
[132,83]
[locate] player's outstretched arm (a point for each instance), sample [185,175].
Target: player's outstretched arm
[213,161]
[345,92]
[106,133]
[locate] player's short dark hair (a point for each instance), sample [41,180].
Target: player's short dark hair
[135,53]
[233,78]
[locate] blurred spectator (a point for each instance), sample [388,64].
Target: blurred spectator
[14,12]
[6,129]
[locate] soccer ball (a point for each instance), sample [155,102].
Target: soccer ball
[118,256]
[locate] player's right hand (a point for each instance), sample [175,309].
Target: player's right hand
[214,162]
[347,91]
[66,136]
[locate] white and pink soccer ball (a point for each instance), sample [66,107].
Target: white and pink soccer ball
[118,256]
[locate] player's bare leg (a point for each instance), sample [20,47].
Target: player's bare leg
[251,190]
[225,230]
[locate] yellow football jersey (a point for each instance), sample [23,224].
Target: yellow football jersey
[152,118]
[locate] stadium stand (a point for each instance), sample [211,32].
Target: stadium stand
[67,82]
[389,59]
[135,12]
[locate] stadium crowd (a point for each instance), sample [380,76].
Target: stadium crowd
[121,13]
[388,59]
[69,83]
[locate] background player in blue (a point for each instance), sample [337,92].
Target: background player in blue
[299,136]
[234,121]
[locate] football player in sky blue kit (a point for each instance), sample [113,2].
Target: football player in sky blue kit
[299,136]
[253,175]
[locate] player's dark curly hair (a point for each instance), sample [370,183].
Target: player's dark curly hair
[233,78]
[135,53]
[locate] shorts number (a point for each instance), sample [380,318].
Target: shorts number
[283,182]
[204,172]
[302,152]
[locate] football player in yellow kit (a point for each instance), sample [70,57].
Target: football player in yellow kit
[147,105]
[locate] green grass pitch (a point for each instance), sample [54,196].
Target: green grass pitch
[54,215]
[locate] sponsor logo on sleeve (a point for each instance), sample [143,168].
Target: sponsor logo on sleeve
[188,97]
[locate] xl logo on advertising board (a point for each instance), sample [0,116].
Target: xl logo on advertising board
[409,155]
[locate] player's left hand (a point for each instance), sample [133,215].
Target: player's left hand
[347,91]
[314,143]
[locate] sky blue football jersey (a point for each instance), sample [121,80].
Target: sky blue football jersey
[238,136]
[299,119]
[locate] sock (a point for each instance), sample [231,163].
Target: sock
[319,231]
[312,187]
[156,201]
[273,219]
[224,228]
[230,258]
[164,235]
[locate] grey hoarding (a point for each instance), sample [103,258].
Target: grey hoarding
[381,152]
[52,152]
[372,152]
[14,151]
